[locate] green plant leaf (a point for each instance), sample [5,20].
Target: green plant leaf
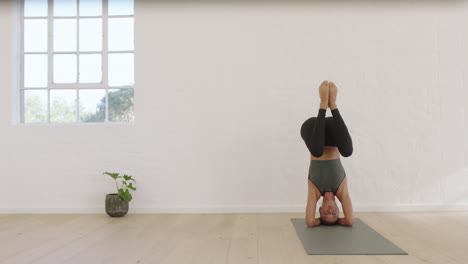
[128,178]
[130,186]
[113,175]
[122,193]
[125,194]
[129,195]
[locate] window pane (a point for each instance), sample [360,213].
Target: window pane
[35,35]
[65,34]
[35,70]
[65,68]
[90,68]
[120,33]
[90,7]
[35,8]
[121,69]
[90,34]
[92,105]
[62,106]
[121,105]
[35,106]
[120,7]
[65,8]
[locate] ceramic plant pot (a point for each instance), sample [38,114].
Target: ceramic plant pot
[116,206]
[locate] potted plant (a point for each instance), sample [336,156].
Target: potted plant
[117,203]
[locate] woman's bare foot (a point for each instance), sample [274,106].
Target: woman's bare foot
[324,94]
[332,96]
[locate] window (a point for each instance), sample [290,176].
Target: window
[77,61]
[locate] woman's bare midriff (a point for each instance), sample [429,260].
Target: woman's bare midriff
[328,154]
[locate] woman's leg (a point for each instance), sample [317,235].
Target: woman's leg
[316,139]
[340,130]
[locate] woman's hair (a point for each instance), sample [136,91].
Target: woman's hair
[323,222]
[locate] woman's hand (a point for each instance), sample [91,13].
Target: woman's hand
[345,222]
[315,222]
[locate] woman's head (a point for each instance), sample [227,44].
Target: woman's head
[329,210]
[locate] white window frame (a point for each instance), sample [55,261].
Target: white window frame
[104,84]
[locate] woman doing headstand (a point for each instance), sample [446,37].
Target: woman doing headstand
[326,138]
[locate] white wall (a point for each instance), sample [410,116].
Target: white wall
[221,92]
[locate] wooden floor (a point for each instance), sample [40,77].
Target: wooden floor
[216,238]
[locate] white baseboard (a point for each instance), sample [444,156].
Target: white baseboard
[236,209]
[411,208]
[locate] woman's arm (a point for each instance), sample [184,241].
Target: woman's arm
[312,198]
[341,134]
[348,219]
[313,133]
[345,199]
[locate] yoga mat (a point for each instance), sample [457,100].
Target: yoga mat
[359,239]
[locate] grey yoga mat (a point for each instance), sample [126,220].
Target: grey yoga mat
[359,239]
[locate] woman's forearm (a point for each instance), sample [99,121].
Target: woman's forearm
[316,222]
[345,221]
